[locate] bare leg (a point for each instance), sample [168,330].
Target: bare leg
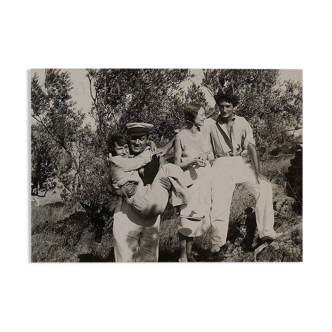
[189,247]
[183,247]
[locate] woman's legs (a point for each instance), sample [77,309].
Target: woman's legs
[189,247]
[183,247]
[152,200]
[186,244]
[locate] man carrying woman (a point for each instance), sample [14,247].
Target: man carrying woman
[136,238]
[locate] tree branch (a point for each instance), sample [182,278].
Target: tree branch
[56,140]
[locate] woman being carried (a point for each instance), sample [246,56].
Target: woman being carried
[150,200]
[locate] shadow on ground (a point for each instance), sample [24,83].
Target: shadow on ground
[92,258]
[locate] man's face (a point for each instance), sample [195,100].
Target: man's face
[121,150]
[137,142]
[226,109]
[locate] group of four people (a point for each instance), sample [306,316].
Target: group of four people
[211,157]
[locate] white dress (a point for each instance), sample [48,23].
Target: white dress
[200,192]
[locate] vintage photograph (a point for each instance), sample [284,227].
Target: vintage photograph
[166,165]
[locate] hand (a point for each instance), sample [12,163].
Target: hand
[115,192]
[108,158]
[200,162]
[201,159]
[260,176]
[165,183]
[203,156]
[154,149]
[161,152]
[212,161]
[129,189]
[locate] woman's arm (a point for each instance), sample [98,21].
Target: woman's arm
[132,164]
[178,152]
[164,150]
[210,156]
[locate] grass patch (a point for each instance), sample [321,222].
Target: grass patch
[275,169]
[72,240]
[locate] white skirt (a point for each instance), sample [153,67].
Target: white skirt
[199,204]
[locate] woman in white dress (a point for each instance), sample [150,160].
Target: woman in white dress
[193,153]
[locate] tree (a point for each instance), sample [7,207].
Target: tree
[274,110]
[121,96]
[43,158]
[80,162]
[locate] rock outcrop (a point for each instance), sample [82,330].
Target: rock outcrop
[294,177]
[286,248]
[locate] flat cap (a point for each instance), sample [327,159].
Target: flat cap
[139,127]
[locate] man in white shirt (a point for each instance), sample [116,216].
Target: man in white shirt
[232,142]
[136,238]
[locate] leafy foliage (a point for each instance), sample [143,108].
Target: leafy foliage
[63,147]
[274,110]
[121,96]
[43,157]
[80,163]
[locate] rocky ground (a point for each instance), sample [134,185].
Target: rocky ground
[61,233]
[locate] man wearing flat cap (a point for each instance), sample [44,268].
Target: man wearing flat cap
[136,239]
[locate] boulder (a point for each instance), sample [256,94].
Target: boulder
[294,179]
[282,204]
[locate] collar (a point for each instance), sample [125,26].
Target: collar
[219,119]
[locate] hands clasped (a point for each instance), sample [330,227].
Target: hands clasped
[201,160]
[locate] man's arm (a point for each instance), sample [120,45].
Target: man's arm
[249,144]
[254,159]
[128,189]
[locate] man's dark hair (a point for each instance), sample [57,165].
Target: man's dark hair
[119,138]
[226,97]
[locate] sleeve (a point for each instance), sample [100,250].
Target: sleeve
[132,164]
[248,135]
[207,125]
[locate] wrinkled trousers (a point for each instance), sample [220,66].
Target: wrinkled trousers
[227,172]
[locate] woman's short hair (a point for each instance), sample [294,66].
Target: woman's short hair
[191,111]
[119,138]
[226,97]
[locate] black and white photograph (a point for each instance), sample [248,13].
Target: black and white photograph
[166,165]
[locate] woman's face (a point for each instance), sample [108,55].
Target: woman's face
[200,118]
[121,150]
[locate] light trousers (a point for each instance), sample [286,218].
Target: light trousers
[151,200]
[227,172]
[136,239]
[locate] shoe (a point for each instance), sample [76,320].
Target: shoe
[191,259]
[183,260]
[246,246]
[215,248]
[193,217]
[270,238]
